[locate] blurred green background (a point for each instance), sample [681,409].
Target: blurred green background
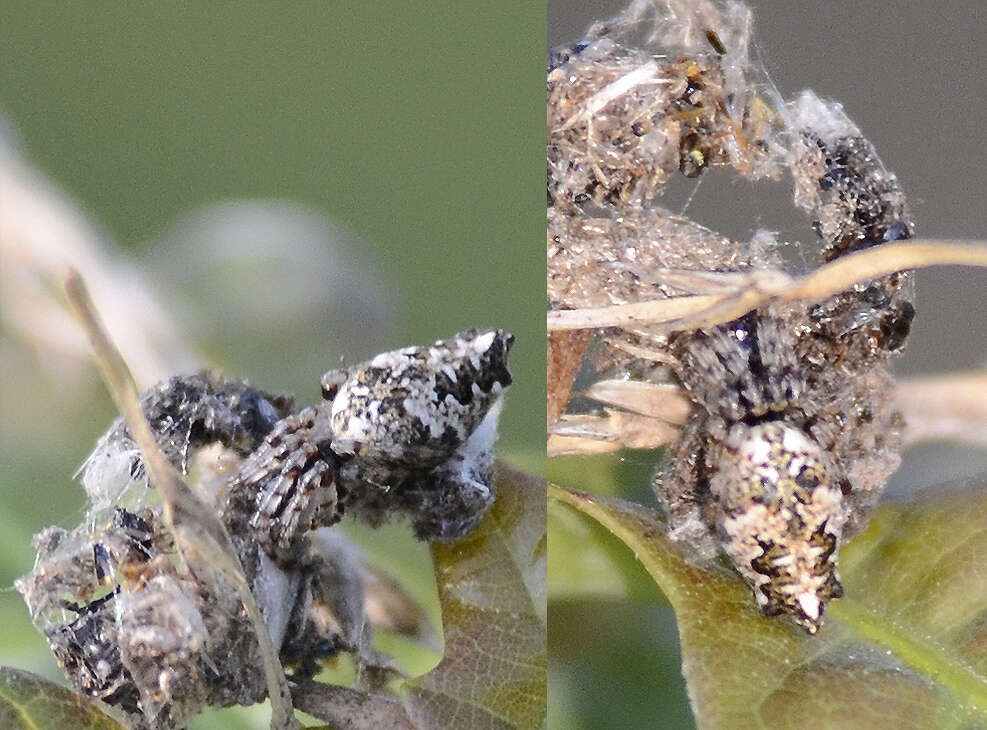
[416,128]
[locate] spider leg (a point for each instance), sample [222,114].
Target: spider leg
[288,505]
[286,487]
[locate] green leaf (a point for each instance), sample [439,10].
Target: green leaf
[905,648]
[492,590]
[493,672]
[30,702]
[585,562]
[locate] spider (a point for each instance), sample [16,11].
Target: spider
[409,432]
[788,426]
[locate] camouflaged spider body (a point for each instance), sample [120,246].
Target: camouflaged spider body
[410,431]
[792,431]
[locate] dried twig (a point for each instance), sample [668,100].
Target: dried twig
[350,709]
[196,528]
[752,290]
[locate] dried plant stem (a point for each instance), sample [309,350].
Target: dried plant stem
[196,527]
[747,291]
[350,709]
